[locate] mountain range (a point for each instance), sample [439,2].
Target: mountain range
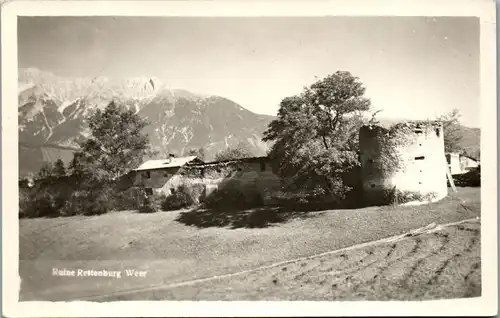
[52,111]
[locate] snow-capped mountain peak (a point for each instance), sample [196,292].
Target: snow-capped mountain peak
[53,109]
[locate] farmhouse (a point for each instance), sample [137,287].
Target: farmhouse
[156,175]
[460,164]
[161,176]
[404,162]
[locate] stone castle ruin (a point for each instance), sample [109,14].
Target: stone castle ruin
[403,163]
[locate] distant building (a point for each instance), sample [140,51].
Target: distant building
[154,175]
[460,164]
[453,160]
[165,176]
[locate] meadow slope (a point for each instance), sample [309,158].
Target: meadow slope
[170,251]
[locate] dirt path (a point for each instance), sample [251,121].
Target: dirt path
[172,252]
[440,264]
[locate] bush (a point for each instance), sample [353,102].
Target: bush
[184,196]
[471,178]
[41,204]
[44,200]
[293,198]
[152,203]
[67,196]
[176,201]
[195,191]
[234,194]
[24,202]
[129,199]
[88,202]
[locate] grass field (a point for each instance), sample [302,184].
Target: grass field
[170,251]
[445,264]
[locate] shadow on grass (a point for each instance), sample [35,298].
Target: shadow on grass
[261,217]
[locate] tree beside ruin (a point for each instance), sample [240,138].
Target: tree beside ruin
[116,145]
[315,135]
[453,131]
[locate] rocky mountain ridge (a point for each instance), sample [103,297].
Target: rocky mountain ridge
[52,111]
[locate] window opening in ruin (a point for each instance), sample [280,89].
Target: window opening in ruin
[149,191]
[262,166]
[437,132]
[147,174]
[172,190]
[372,185]
[420,158]
[202,172]
[418,131]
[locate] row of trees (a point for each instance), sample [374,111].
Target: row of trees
[58,169]
[49,169]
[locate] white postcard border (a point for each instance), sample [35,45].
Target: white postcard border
[484,305]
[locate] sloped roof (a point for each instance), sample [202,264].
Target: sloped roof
[471,158]
[166,163]
[215,163]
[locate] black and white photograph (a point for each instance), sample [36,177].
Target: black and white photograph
[203,157]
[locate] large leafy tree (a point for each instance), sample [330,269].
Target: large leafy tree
[315,136]
[115,146]
[453,132]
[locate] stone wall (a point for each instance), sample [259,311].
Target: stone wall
[157,179]
[403,163]
[253,172]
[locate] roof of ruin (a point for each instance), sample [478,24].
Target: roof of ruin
[174,162]
[388,123]
[223,162]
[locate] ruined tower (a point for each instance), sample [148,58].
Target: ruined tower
[403,163]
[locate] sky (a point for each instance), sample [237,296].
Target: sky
[412,67]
